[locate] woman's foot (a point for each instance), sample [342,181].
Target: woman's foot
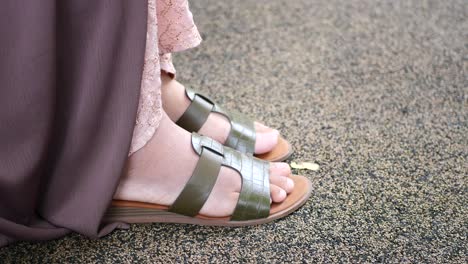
[175,102]
[158,172]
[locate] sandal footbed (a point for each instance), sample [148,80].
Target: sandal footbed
[280,152]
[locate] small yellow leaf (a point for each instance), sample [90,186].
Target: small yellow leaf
[305,165]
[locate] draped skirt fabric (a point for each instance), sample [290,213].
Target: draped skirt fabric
[70,76]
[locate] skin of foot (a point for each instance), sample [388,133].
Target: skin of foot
[158,172]
[217,126]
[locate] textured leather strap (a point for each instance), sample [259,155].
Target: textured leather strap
[242,134]
[254,198]
[196,114]
[198,188]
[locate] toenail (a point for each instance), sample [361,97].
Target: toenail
[289,183]
[281,165]
[282,193]
[276,133]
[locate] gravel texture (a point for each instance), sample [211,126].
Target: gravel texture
[375,92]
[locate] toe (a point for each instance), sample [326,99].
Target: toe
[283,182]
[259,127]
[277,194]
[280,168]
[266,141]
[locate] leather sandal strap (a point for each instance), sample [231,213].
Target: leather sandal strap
[254,198]
[242,134]
[198,188]
[196,114]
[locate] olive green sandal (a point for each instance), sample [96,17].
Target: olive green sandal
[253,206]
[242,134]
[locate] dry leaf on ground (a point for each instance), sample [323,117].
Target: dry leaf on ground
[305,165]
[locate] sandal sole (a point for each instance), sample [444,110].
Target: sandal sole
[281,152]
[138,212]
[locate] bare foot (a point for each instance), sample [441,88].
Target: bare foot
[158,172]
[175,102]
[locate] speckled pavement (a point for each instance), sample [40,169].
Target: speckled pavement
[375,92]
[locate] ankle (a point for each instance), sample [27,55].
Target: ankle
[153,169]
[174,100]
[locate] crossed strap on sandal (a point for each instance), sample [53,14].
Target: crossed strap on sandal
[242,135]
[254,198]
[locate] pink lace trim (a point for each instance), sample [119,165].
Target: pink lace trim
[170,28]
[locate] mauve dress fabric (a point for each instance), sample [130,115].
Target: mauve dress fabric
[70,76]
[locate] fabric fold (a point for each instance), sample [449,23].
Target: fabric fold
[70,74]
